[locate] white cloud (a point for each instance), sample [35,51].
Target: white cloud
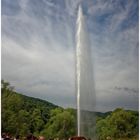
[38,55]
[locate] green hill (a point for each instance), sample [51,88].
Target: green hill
[103,115]
[22,114]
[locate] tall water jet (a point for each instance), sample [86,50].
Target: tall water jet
[84,81]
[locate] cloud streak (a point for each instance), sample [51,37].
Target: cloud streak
[38,49]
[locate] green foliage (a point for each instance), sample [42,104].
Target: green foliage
[61,124]
[119,124]
[22,115]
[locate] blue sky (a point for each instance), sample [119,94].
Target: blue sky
[38,49]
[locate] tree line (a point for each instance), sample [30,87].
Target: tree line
[22,115]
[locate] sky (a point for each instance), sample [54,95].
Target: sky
[38,49]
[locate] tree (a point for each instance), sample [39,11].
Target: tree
[104,129]
[125,123]
[120,124]
[23,123]
[61,124]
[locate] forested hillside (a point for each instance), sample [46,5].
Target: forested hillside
[22,115]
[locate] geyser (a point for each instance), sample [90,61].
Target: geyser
[84,81]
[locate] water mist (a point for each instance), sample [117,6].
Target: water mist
[84,81]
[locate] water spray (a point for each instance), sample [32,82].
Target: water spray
[84,81]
